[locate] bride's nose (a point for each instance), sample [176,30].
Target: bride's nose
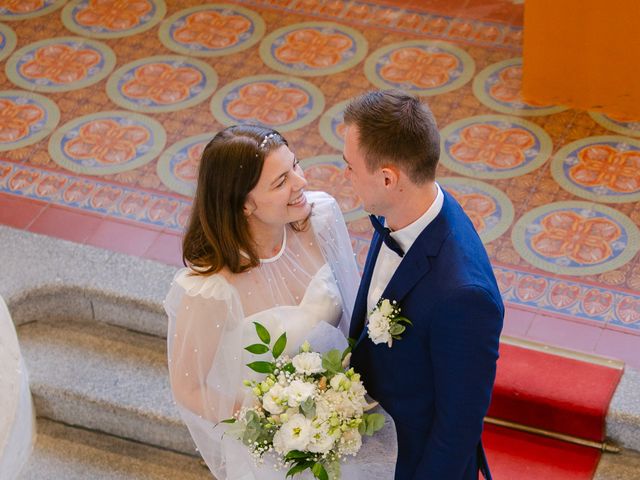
[300,180]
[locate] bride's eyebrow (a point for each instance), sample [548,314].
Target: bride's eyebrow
[284,174]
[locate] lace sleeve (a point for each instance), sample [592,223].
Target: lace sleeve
[333,237]
[204,345]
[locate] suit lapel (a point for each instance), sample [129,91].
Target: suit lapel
[417,261]
[360,308]
[414,266]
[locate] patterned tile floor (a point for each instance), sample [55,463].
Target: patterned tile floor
[105,107]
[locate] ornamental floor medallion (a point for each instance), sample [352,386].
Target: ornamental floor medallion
[25,118]
[313,48]
[499,87]
[576,238]
[7,41]
[494,146]
[60,64]
[21,10]
[112,18]
[623,126]
[603,169]
[332,125]
[178,165]
[422,67]
[281,102]
[107,142]
[212,30]
[163,83]
[326,173]
[489,209]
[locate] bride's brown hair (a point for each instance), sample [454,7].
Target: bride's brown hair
[218,230]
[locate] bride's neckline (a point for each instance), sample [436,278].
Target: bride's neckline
[280,252]
[277,255]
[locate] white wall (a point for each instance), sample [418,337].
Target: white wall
[17,422]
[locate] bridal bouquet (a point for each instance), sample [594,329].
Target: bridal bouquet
[309,409]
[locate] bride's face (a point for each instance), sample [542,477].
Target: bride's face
[278,198]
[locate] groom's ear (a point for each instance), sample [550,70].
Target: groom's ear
[390,175]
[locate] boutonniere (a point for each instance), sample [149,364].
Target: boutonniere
[385,323]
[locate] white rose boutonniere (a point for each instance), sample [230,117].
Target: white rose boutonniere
[385,323]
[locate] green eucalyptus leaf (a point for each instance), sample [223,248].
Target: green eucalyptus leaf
[296,454]
[319,471]
[374,422]
[308,408]
[262,367]
[396,329]
[332,361]
[299,468]
[278,348]
[257,348]
[404,320]
[263,333]
[229,420]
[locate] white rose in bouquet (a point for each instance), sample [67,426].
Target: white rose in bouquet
[275,399]
[342,403]
[294,434]
[308,363]
[298,391]
[350,442]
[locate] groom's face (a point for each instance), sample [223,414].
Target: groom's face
[367,185]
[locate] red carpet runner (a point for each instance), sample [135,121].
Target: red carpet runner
[551,392]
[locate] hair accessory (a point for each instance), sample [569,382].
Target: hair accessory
[266,139]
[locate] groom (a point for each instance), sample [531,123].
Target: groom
[436,380]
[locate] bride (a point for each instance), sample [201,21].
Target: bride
[258,249]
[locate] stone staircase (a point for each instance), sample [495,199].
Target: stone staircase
[104,406]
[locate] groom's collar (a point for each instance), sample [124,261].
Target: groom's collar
[407,235]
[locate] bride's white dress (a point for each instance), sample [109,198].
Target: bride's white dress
[307,291]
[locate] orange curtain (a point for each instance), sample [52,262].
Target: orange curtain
[584,54]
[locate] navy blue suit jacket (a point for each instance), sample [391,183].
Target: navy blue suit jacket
[436,381]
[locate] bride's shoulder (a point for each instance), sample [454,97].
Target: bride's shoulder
[196,284]
[323,204]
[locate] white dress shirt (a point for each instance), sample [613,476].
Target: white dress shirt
[388,261]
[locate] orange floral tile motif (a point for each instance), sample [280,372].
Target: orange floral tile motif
[604,165]
[107,142]
[499,148]
[508,88]
[23,180]
[187,169]
[113,14]
[267,103]
[16,120]
[584,240]
[60,63]
[477,207]
[628,310]
[596,302]
[420,68]
[313,48]
[212,30]
[563,295]
[531,288]
[21,6]
[162,83]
